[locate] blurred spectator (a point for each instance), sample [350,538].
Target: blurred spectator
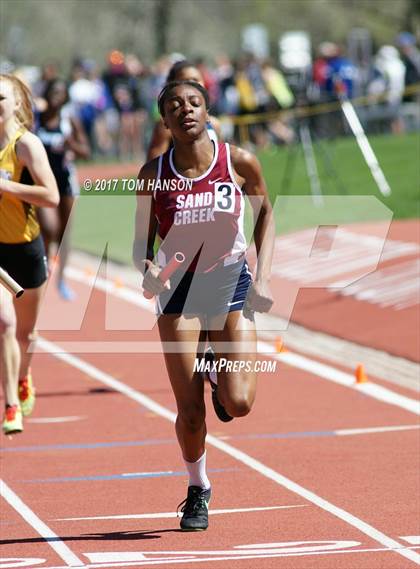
[333,72]
[132,122]
[122,79]
[255,75]
[388,82]
[228,101]
[49,72]
[64,139]
[281,97]
[210,81]
[280,92]
[246,94]
[410,55]
[85,96]
[118,107]
[253,96]
[155,82]
[102,142]
[115,71]
[333,78]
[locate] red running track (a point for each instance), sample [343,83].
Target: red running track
[381,306]
[111,456]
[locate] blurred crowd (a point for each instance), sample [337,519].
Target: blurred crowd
[117,105]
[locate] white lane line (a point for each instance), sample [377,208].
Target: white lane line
[136,474]
[412,539]
[39,526]
[340,513]
[256,465]
[301,362]
[47,420]
[342,378]
[368,430]
[109,380]
[182,558]
[326,433]
[162,515]
[12,562]
[106,285]
[387,396]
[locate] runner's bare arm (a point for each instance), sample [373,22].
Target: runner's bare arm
[44,193]
[145,231]
[145,221]
[248,168]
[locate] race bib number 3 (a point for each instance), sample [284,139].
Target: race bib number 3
[224,197]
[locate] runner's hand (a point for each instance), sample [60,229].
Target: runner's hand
[151,281]
[260,298]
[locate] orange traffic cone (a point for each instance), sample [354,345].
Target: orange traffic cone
[118,283]
[279,344]
[360,374]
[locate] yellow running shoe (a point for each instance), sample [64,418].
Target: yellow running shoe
[12,422]
[26,394]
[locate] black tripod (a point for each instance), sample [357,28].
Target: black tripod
[304,142]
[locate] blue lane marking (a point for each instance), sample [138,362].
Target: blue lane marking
[128,476]
[70,446]
[147,442]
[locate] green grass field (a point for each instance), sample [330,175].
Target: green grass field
[398,156]
[107,219]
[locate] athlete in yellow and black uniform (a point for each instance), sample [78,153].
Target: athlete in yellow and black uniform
[22,252]
[26,182]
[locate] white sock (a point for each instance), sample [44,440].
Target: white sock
[197,473]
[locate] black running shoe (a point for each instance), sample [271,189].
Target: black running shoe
[195,509]
[218,407]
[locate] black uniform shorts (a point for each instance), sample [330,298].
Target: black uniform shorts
[25,262]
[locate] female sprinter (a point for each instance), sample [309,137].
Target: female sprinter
[26,181]
[161,141]
[205,223]
[161,137]
[62,136]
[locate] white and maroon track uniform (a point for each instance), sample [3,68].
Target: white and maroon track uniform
[203,218]
[205,212]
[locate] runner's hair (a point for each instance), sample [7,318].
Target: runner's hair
[176,68]
[163,95]
[24,114]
